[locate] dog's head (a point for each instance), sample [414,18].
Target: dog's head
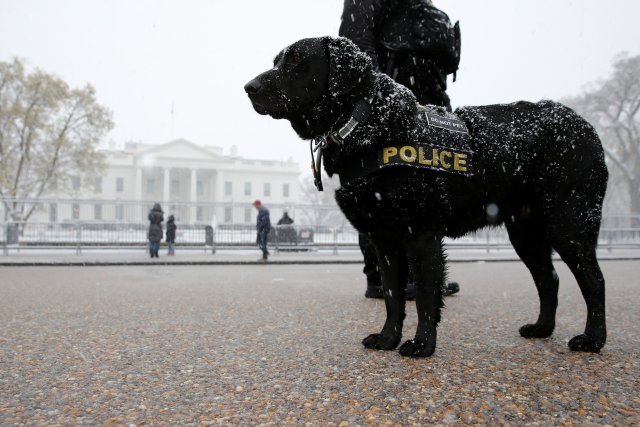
[306,74]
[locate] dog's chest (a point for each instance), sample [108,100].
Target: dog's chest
[395,199]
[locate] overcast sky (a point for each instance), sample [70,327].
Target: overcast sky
[146,58]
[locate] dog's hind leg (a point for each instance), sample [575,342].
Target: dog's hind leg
[529,241]
[427,262]
[393,269]
[575,224]
[581,259]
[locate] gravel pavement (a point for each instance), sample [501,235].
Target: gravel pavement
[280,345]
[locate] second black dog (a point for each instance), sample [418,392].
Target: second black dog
[412,175]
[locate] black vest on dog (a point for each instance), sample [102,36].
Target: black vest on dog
[442,145]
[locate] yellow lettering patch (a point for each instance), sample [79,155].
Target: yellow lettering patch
[408,154]
[388,152]
[427,156]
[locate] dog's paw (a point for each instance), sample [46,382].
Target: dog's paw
[380,342]
[585,343]
[417,348]
[536,330]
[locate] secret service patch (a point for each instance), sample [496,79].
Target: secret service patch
[449,123]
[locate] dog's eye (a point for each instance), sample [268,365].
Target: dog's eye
[292,61]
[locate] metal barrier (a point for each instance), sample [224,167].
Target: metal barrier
[81,234]
[283,238]
[119,223]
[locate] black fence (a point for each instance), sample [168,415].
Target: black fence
[93,234]
[83,223]
[108,235]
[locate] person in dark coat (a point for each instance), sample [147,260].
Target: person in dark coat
[263,227]
[171,235]
[414,43]
[156,217]
[286,219]
[410,40]
[285,232]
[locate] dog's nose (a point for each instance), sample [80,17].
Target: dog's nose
[253,87]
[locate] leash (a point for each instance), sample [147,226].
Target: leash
[316,164]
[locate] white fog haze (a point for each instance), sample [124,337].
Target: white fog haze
[169,69]
[172,255]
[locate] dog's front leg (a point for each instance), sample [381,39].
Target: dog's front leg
[427,262]
[393,269]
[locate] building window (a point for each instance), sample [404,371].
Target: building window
[285,190]
[228,215]
[247,215]
[97,212]
[228,188]
[267,189]
[247,188]
[151,185]
[75,183]
[53,212]
[119,185]
[199,213]
[97,185]
[175,187]
[119,212]
[200,188]
[75,211]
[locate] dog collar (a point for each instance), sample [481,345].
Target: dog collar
[360,113]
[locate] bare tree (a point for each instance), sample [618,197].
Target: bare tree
[322,208]
[49,133]
[612,107]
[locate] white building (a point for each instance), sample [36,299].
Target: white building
[197,184]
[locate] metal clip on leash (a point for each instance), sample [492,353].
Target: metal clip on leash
[361,112]
[316,164]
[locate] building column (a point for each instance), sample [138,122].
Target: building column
[218,197]
[138,190]
[167,187]
[194,194]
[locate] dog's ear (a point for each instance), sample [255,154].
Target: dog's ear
[347,65]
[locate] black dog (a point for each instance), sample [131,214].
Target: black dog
[411,175]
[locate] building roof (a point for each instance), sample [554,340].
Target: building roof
[181,153]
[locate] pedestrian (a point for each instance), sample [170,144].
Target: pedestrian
[171,235]
[415,44]
[285,232]
[286,219]
[156,217]
[263,227]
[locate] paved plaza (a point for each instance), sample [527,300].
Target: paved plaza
[280,344]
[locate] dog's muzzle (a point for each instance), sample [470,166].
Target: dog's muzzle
[254,89]
[268,101]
